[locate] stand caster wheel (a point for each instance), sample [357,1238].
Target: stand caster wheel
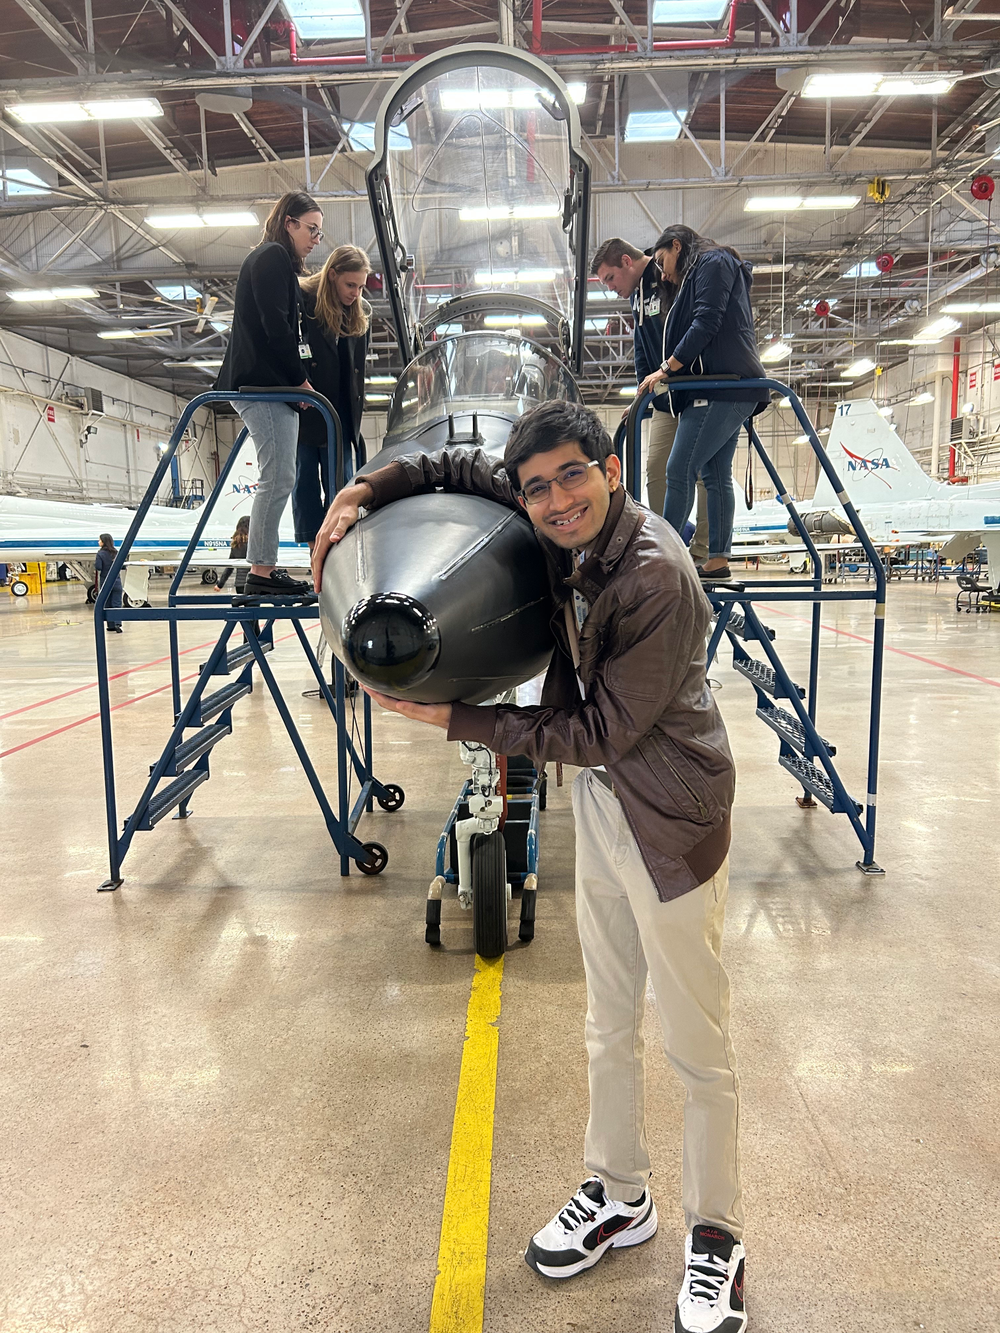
[393,798]
[526,929]
[376,860]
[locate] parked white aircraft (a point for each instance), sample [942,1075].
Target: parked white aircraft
[60,530]
[896,500]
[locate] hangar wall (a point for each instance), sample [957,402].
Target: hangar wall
[43,448]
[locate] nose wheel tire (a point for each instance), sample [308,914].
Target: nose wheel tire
[489,894]
[376,860]
[393,798]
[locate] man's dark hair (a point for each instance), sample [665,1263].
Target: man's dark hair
[692,246]
[549,425]
[612,253]
[293,205]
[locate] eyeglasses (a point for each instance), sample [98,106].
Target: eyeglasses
[315,233]
[568,480]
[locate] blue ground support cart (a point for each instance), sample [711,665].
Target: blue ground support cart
[489,848]
[205,717]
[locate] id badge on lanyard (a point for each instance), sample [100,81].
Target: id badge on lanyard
[305,351]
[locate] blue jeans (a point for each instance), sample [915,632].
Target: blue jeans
[274,428]
[704,446]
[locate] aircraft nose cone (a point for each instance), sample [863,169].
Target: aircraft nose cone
[391,641]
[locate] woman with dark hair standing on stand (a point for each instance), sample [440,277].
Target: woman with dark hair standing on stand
[708,331]
[336,323]
[266,350]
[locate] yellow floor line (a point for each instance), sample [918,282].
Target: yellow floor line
[460,1288]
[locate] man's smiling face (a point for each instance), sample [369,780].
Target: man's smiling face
[570,518]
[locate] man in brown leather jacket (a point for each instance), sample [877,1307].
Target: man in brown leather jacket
[626,699]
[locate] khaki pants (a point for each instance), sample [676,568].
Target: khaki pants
[624,931]
[662,428]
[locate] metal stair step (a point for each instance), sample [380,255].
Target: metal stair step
[195,746]
[762,675]
[164,801]
[237,657]
[789,728]
[737,624]
[812,778]
[213,704]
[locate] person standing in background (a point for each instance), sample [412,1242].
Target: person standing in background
[237,551]
[266,349]
[336,322]
[633,276]
[106,553]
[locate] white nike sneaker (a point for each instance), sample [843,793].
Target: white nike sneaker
[589,1226]
[711,1296]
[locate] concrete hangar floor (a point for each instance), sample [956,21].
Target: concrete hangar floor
[229,1088]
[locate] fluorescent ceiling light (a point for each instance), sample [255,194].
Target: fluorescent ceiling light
[835,382]
[866,269]
[776,351]
[380,379]
[49,113]
[771,268]
[922,398]
[55,294]
[508,278]
[654,126]
[773,203]
[629,391]
[926,83]
[447,330]
[498,212]
[361,137]
[970,307]
[510,321]
[19,180]
[175,291]
[207,363]
[500,99]
[831,201]
[885,411]
[938,328]
[784,402]
[842,83]
[315,19]
[133,333]
[689,11]
[801,439]
[790,203]
[858,368]
[210,218]
[858,83]
[377,397]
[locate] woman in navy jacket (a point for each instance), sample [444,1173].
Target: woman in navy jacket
[708,331]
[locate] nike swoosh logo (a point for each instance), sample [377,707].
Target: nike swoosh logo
[604,1235]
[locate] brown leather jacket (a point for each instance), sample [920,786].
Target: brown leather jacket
[648,715]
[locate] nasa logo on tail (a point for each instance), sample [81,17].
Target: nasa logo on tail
[876,462]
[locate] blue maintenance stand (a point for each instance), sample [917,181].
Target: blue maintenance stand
[788,709]
[205,717]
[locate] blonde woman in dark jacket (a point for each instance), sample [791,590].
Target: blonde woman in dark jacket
[336,321]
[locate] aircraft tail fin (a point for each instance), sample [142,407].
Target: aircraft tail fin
[871,460]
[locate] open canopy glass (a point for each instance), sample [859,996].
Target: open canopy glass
[470,372]
[488,194]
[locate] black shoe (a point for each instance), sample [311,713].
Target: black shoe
[113,629]
[278,581]
[722,575]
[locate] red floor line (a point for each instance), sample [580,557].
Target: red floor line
[114,707]
[900,652]
[78,689]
